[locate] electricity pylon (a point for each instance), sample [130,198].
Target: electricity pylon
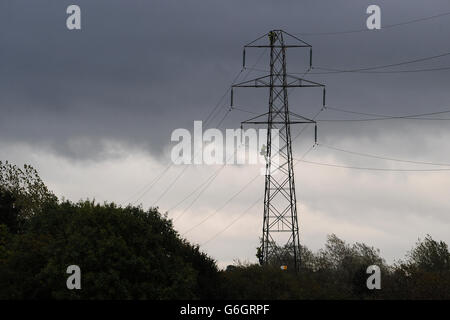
[280,221]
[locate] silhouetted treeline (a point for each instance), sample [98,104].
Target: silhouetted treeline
[130,253]
[339,272]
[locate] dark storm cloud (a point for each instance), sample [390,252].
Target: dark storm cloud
[139,69]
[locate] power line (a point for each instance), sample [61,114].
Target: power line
[226,202]
[234,81]
[209,118]
[191,194]
[233,222]
[338,166]
[382,157]
[385,72]
[386,65]
[387,26]
[341,166]
[210,180]
[246,210]
[238,108]
[370,69]
[243,110]
[387,116]
[371,168]
[149,186]
[222,206]
[170,186]
[184,169]
[219,124]
[304,155]
[224,117]
[206,183]
[336,71]
[210,216]
[419,116]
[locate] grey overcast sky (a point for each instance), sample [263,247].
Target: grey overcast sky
[93,111]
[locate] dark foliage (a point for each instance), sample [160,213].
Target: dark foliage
[129,253]
[124,253]
[339,272]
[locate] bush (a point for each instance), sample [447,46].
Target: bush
[123,253]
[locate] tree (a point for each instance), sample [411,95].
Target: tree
[22,194]
[123,253]
[425,274]
[283,256]
[9,212]
[429,255]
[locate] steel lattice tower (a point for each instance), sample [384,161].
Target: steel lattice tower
[280,221]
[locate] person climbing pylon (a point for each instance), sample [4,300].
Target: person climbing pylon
[272,37]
